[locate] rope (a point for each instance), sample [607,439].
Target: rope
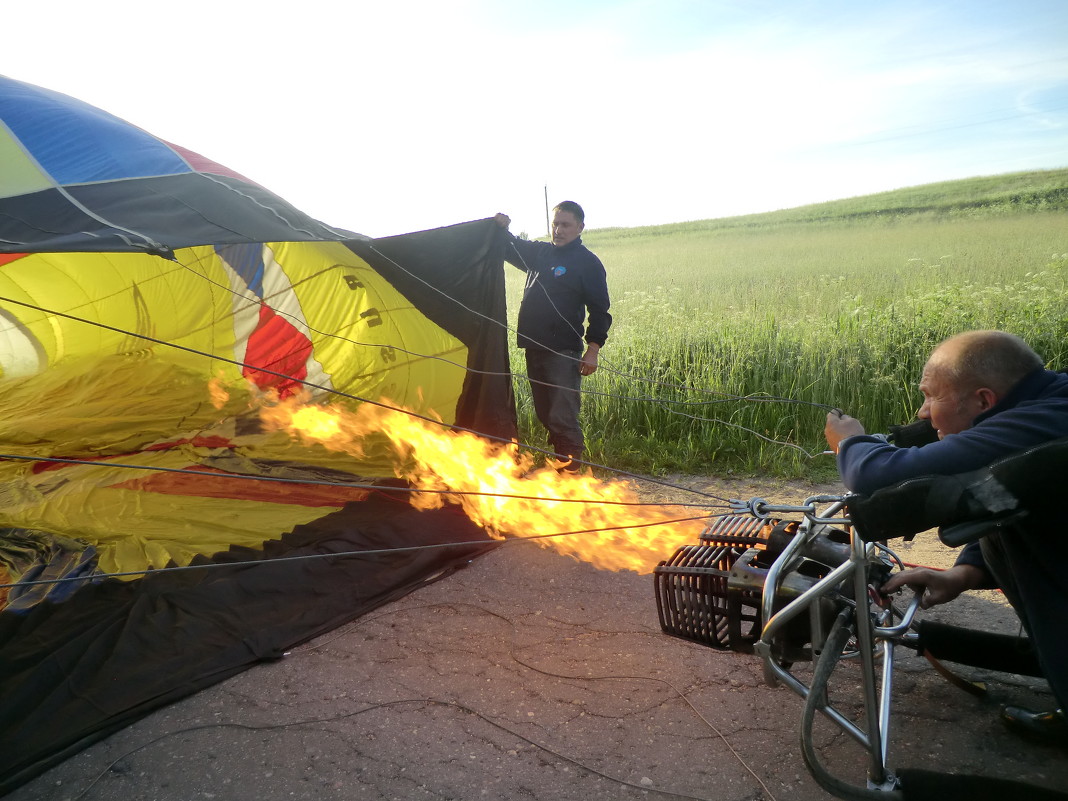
[722,397]
[371,707]
[380,404]
[339,393]
[348,485]
[372,552]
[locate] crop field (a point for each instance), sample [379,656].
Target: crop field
[732,338]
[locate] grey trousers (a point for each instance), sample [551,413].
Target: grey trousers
[554,383]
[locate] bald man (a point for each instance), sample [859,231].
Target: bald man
[988,395]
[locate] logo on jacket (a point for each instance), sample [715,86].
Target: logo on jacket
[559,270]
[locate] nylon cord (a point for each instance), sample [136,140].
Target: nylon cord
[353,397]
[455,705]
[348,485]
[369,552]
[304,650]
[722,397]
[339,393]
[386,705]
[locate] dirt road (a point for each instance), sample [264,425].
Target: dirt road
[530,675]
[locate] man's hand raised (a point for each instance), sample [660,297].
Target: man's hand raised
[839,426]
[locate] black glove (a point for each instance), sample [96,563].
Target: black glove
[913,435]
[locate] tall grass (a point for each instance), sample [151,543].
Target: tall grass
[731,341]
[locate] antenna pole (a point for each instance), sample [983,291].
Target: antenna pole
[548,226]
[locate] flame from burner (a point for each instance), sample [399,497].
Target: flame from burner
[440,461]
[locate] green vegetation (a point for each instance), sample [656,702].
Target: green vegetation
[732,337]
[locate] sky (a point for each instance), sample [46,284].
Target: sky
[401,115]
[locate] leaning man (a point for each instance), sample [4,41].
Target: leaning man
[988,395]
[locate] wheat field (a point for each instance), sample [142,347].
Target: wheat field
[732,338]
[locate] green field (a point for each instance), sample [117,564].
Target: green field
[732,337]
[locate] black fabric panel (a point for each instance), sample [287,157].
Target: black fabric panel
[46,221]
[446,273]
[173,211]
[1002,652]
[72,673]
[927,785]
[1031,480]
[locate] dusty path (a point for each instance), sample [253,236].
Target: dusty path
[530,675]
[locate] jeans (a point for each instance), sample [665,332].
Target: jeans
[554,382]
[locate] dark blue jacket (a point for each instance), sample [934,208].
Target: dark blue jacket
[563,284]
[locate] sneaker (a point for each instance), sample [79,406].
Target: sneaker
[570,466]
[1048,727]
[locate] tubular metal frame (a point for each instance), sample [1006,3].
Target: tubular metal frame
[873,629]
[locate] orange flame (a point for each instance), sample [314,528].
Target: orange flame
[217,392]
[433,457]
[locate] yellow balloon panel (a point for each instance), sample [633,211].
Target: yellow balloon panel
[92,304]
[367,336]
[116,363]
[313,311]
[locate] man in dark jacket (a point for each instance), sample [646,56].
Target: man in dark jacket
[565,282]
[987,395]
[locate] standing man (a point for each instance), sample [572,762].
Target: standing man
[566,288]
[988,396]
